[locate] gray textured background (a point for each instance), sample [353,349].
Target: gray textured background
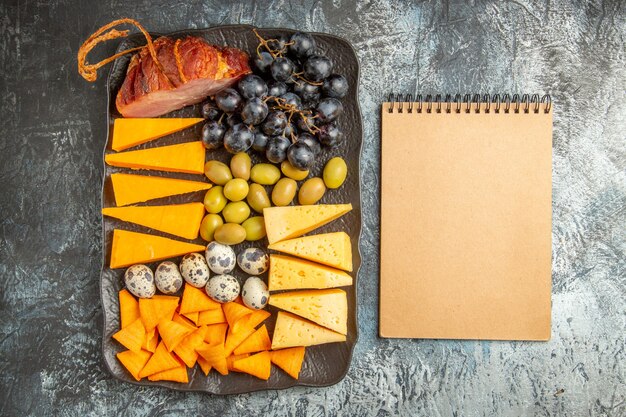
[52,132]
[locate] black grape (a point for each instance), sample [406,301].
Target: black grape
[254,111]
[238,138]
[213,134]
[302,45]
[317,67]
[229,100]
[252,86]
[335,86]
[329,109]
[276,151]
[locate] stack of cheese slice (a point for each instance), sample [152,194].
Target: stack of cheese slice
[182,220]
[320,313]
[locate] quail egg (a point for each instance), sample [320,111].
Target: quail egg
[140,281]
[194,270]
[253,261]
[221,258]
[223,288]
[255,294]
[167,278]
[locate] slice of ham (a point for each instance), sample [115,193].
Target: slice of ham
[152,89]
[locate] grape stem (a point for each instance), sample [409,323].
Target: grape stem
[301,76]
[263,43]
[266,43]
[306,115]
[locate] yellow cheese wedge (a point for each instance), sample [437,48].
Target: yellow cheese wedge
[131,189]
[129,132]
[291,330]
[184,157]
[328,308]
[287,273]
[331,249]
[292,221]
[131,248]
[177,219]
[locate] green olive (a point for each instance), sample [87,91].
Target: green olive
[214,200]
[208,226]
[311,191]
[293,173]
[335,172]
[265,174]
[217,172]
[236,189]
[230,234]
[284,191]
[257,198]
[236,212]
[240,166]
[255,228]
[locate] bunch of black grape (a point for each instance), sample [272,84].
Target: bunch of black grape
[286,110]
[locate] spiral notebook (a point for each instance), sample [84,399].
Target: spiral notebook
[466,217]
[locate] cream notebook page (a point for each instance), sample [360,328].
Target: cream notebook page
[466,223]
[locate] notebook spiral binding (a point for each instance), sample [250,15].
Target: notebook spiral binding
[525,103]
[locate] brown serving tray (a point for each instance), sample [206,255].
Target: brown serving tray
[325,364]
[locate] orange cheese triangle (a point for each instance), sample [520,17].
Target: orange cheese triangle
[196,299]
[235,338]
[215,356]
[257,317]
[204,365]
[129,132]
[134,362]
[183,157]
[216,333]
[193,317]
[131,248]
[289,360]
[132,336]
[157,308]
[151,340]
[235,312]
[214,316]
[132,188]
[292,221]
[256,342]
[172,333]
[184,321]
[178,374]
[331,249]
[161,360]
[129,308]
[258,365]
[232,358]
[186,349]
[176,219]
